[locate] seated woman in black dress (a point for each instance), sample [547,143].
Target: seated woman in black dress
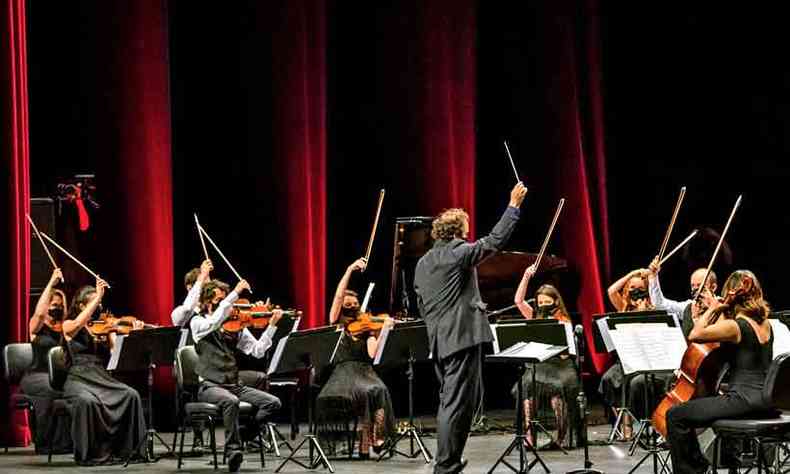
[556,380]
[629,293]
[35,383]
[354,388]
[745,333]
[108,416]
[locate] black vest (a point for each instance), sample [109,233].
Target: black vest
[217,358]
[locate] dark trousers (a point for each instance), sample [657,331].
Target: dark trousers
[460,394]
[227,398]
[683,419]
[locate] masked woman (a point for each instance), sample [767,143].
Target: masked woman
[556,381]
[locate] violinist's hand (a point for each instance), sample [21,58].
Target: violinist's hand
[205,269]
[241,286]
[57,277]
[389,322]
[517,194]
[709,300]
[359,265]
[654,267]
[137,325]
[277,315]
[101,286]
[530,271]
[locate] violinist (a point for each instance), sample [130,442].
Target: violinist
[629,293]
[681,309]
[354,388]
[45,333]
[741,325]
[555,380]
[217,365]
[107,415]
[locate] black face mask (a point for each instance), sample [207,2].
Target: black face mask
[56,313]
[547,310]
[351,312]
[637,294]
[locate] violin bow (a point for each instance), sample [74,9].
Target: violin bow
[365,302]
[718,247]
[72,257]
[672,223]
[548,234]
[512,163]
[375,226]
[679,246]
[46,249]
[202,240]
[227,262]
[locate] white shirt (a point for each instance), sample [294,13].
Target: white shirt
[181,314]
[666,304]
[202,326]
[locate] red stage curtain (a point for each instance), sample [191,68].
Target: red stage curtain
[299,83]
[445,105]
[575,117]
[15,165]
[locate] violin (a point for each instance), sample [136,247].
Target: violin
[366,323]
[244,315]
[109,323]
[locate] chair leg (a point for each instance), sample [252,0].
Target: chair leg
[183,429]
[294,421]
[260,446]
[50,435]
[716,445]
[213,440]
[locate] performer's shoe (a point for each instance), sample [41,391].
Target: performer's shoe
[234,461]
[197,447]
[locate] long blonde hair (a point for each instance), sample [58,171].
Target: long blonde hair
[749,299]
[625,294]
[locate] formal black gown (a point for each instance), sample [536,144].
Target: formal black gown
[108,420]
[354,388]
[35,384]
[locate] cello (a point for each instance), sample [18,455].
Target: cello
[700,368]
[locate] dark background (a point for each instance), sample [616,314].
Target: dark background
[692,96]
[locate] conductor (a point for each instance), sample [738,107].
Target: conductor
[448,296]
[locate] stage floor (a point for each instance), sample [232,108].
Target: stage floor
[482,451]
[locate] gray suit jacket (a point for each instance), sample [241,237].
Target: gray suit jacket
[445,281]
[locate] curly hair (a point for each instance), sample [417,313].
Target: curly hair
[750,303]
[191,277]
[451,223]
[207,293]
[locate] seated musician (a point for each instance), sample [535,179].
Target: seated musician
[218,368]
[555,380]
[44,335]
[629,293]
[682,309]
[741,325]
[354,388]
[107,415]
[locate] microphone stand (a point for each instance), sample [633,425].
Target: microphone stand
[582,401]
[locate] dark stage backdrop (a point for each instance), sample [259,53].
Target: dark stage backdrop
[278,122]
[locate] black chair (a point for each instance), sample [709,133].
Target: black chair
[194,412]
[58,370]
[17,358]
[761,432]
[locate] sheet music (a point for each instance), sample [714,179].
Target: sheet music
[385,331]
[648,346]
[533,350]
[496,338]
[569,337]
[603,328]
[781,337]
[183,341]
[278,353]
[115,355]
[337,344]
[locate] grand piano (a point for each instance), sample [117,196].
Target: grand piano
[498,276]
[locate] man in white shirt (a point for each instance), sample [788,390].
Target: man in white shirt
[193,281]
[681,309]
[217,364]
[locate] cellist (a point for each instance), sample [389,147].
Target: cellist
[741,325]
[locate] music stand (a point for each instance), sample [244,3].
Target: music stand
[309,350]
[519,355]
[144,350]
[399,344]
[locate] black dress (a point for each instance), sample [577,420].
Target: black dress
[354,388]
[108,415]
[35,384]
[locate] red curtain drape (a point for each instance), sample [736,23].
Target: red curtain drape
[445,105]
[299,56]
[14,151]
[574,103]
